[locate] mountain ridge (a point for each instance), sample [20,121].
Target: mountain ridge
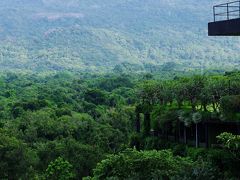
[98,35]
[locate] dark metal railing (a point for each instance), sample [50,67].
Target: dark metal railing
[226,11]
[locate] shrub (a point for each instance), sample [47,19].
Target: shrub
[132,164]
[59,170]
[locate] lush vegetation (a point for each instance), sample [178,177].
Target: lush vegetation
[101,89]
[70,126]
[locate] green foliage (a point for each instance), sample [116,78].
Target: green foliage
[132,164]
[60,115]
[230,141]
[164,119]
[87,36]
[59,170]
[83,157]
[224,162]
[110,84]
[96,96]
[202,169]
[180,150]
[17,159]
[83,120]
[190,100]
[230,106]
[150,143]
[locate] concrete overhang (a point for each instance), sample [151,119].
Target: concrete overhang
[224,28]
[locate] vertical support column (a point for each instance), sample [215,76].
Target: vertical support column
[179,131]
[197,135]
[237,128]
[147,124]
[206,135]
[227,12]
[185,134]
[239,9]
[215,13]
[138,125]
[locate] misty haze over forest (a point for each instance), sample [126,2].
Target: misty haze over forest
[106,35]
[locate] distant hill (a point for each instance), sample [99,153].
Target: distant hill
[101,35]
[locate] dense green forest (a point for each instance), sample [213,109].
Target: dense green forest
[74,126]
[115,90]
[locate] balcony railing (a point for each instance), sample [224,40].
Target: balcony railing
[227,11]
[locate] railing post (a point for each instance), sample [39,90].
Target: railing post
[214,13]
[239,9]
[227,12]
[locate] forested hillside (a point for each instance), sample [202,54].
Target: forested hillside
[117,89]
[75,35]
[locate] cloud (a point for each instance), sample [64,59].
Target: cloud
[56,16]
[66,3]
